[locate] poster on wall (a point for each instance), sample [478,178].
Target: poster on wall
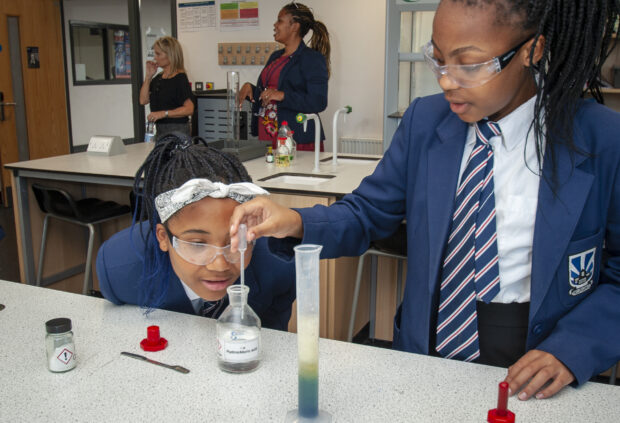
[238,15]
[149,39]
[122,55]
[196,15]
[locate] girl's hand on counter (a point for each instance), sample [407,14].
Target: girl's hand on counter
[246,92]
[538,373]
[264,217]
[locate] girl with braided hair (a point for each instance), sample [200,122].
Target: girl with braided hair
[176,255]
[294,79]
[510,185]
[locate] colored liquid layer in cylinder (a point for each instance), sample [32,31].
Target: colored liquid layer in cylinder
[308,351]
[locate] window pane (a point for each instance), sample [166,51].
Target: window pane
[88,53]
[101,53]
[415,79]
[404,85]
[423,81]
[416,29]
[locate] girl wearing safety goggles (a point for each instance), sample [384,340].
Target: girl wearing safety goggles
[510,185]
[179,258]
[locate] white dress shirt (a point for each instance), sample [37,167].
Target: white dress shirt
[516,180]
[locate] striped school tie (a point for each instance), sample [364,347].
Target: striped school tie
[470,268]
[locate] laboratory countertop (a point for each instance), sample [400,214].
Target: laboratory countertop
[357,383]
[339,180]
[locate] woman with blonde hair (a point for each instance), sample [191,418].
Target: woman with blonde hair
[168,92]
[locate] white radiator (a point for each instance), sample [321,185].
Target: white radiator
[360,146]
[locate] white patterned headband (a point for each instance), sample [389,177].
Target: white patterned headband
[170,202]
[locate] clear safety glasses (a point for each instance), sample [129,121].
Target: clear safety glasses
[202,254]
[470,76]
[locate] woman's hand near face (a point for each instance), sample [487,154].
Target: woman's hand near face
[151,68]
[264,217]
[246,91]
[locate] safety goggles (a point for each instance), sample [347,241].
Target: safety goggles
[470,76]
[202,254]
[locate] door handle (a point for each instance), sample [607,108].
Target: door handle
[2,104]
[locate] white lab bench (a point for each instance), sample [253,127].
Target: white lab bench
[357,383]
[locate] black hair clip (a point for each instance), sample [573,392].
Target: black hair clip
[175,141]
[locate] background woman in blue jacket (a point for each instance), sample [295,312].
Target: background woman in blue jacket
[179,257]
[294,79]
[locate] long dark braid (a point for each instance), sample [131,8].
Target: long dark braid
[578,37]
[303,15]
[175,159]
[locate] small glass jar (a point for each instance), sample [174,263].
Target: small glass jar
[269,155]
[59,345]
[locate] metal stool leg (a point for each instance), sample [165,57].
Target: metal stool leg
[356,294]
[89,259]
[42,252]
[373,296]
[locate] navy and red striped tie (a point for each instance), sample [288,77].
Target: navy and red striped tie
[470,268]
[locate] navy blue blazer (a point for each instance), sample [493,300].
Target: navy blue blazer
[304,83]
[416,179]
[271,280]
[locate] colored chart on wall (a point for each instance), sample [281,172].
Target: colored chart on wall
[196,15]
[236,15]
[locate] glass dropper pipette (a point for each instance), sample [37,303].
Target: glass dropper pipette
[243,246]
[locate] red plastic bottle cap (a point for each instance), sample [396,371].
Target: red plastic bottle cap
[284,123]
[153,342]
[501,414]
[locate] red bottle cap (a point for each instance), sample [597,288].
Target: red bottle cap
[153,342]
[284,123]
[501,414]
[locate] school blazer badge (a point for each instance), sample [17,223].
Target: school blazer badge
[581,271]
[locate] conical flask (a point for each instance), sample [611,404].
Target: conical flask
[238,333]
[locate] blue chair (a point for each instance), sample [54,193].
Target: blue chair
[59,204]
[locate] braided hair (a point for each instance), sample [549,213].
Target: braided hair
[578,36]
[303,15]
[174,160]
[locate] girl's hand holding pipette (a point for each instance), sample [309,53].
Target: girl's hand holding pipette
[264,217]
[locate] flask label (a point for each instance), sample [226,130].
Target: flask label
[239,351]
[63,358]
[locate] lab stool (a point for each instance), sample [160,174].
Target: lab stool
[395,247]
[59,204]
